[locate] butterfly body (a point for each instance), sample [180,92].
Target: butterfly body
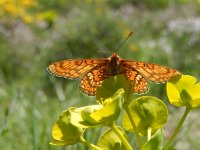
[114,65]
[93,71]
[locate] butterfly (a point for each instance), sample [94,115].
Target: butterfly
[93,71]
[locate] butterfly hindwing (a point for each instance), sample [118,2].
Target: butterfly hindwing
[93,79]
[138,81]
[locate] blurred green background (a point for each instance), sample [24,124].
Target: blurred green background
[34,33]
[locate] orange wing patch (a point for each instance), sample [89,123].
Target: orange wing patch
[139,82]
[92,80]
[73,68]
[153,72]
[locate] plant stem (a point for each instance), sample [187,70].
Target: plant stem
[94,147]
[149,133]
[126,104]
[123,139]
[134,126]
[187,110]
[129,95]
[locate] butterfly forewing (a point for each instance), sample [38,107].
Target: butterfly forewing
[152,72]
[74,68]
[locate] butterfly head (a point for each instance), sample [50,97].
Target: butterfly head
[115,59]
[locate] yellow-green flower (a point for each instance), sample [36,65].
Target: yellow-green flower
[184,91]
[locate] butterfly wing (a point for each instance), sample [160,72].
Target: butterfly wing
[74,69]
[93,79]
[139,72]
[139,82]
[152,72]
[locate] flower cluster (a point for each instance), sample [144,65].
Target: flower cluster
[25,10]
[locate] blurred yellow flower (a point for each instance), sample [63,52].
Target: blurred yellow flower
[2,2]
[20,9]
[9,8]
[27,18]
[39,16]
[28,3]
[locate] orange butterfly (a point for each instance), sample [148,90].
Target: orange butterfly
[93,71]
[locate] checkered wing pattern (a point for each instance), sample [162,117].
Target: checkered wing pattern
[139,72]
[139,82]
[74,69]
[93,79]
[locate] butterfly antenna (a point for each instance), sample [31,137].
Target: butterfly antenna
[124,41]
[103,52]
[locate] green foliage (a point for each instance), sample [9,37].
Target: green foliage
[111,85]
[111,108]
[145,115]
[149,113]
[64,132]
[152,4]
[109,140]
[155,142]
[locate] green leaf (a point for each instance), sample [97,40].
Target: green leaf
[81,117]
[184,91]
[111,85]
[111,110]
[147,112]
[64,132]
[156,141]
[96,115]
[110,141]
